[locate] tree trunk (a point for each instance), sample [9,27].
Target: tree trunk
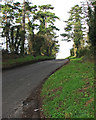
[75,49]
[6,43]
[6,35]
[23,28]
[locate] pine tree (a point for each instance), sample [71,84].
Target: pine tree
[73,30]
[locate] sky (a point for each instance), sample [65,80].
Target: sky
[61,9]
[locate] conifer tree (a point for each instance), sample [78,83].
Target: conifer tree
[73,29]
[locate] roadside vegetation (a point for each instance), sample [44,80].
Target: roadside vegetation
[69,92]
[83,31]
[29,32]
[14,60]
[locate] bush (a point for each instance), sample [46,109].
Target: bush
[72,52]
[83,52]
[4,51]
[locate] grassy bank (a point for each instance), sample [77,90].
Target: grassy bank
[69,92]
[11,61]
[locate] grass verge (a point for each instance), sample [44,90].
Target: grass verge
[23,60]
[69,92]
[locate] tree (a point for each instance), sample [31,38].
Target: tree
[92,25]
[89,10]
[74,29]
[23,28]
[11,28]
[6,21]
[46,27]
[31,25]
[45,30]
[16,30]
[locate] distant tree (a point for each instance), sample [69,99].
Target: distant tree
[74,29]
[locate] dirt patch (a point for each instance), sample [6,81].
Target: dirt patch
[57,89]
[31,105]
[54,90]
[84,89]
[86,79]
[89,101]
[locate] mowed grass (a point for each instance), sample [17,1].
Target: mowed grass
[69,92]
[24,59]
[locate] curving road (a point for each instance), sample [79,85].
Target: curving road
[18,83]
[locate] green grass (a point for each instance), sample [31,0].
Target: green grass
[69,92]
[22,60]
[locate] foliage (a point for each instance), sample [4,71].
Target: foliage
[69,92]
[89,11]
[72,51]
[19,33]
[91,21]
[73,29]
[84,52]
[11,32]
[17,60]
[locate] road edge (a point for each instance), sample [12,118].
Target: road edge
[23,64]
[36,98]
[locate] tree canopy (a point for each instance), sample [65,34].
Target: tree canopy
[74,28]
[29,28]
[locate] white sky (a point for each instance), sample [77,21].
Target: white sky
[61,9]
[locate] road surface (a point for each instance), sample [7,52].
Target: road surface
[18,83]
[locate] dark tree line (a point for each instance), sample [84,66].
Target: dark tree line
[29,29]
[92,26]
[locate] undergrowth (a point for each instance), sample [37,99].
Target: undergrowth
[22,60]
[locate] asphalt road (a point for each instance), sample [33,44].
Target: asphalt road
[18,83]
